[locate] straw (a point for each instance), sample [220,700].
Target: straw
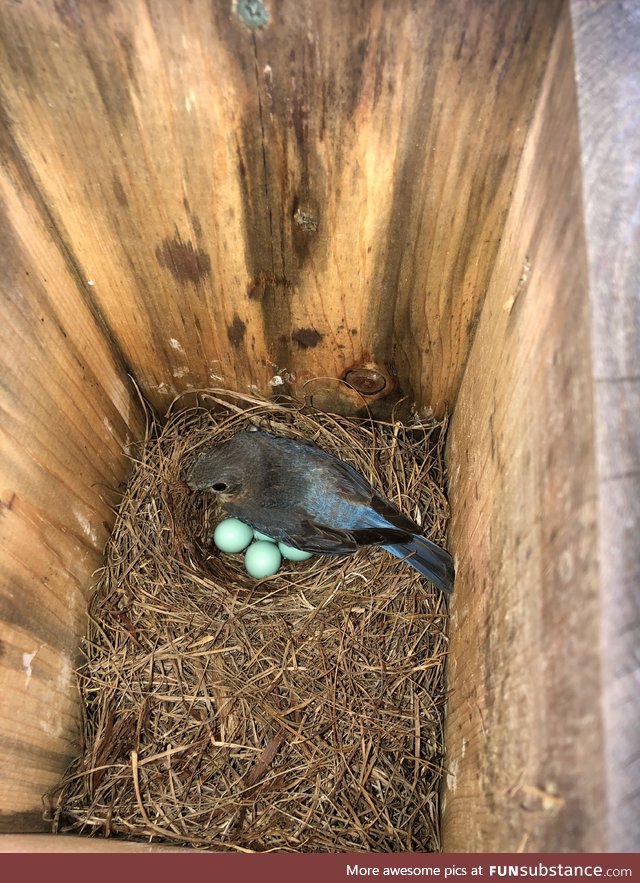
[300,713]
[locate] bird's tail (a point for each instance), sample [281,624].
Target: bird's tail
[428,559]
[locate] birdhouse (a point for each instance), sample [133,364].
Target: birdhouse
[349,203]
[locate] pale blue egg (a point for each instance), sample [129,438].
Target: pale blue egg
[293,554]
[262,558]
[232,535]
[263,536]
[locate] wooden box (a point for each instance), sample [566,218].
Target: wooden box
[413,196]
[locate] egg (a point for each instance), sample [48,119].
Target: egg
[262,558]
[262,536]
[232,535]
[293,554]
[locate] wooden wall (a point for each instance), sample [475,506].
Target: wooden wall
[607,38]
[542,730]
[193,201]
[66,411]
[258,207]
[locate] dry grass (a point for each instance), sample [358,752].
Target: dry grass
[301,713]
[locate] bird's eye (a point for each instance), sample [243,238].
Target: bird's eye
[219,486]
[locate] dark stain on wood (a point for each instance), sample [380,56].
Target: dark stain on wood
[307,179]
[184,262]
[396,290]
[236,331]
[265,247]
[11,265]
[472,324]
[257,287]
[27,820]
[126,45]
[118,192]
[381,72]
[6,505]
[69,14]
[20,62]
[299,115]
[195,220]
[488,178]
[355,77]
[307,338]
[112,86]
[264,284]
[197,226]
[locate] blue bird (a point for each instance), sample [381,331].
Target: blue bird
[300,495]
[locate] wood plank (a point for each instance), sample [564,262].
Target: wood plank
[262,207]
[51,843]
[66,411]
[607,37]
[526,768]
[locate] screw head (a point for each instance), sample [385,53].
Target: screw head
[367,381]
[252,12]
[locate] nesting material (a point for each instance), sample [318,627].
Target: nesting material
[300,713]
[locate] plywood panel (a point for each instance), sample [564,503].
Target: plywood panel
[526,766]
[607,38]
[259,207]
[66,411]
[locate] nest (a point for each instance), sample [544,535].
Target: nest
[300,713]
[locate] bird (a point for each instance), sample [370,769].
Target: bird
[298,494]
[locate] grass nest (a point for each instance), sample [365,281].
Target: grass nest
[300,713]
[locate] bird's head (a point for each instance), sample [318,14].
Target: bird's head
[219,471]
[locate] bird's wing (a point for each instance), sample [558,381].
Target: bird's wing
[341,511]
[386,511]
[351,515]
[332,541]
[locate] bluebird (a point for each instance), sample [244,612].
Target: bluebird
[300,495]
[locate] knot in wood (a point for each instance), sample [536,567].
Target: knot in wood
[306,221]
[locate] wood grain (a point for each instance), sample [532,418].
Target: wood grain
[524,736]
[259,208]
[66,411]
[607,38]
[50,843]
